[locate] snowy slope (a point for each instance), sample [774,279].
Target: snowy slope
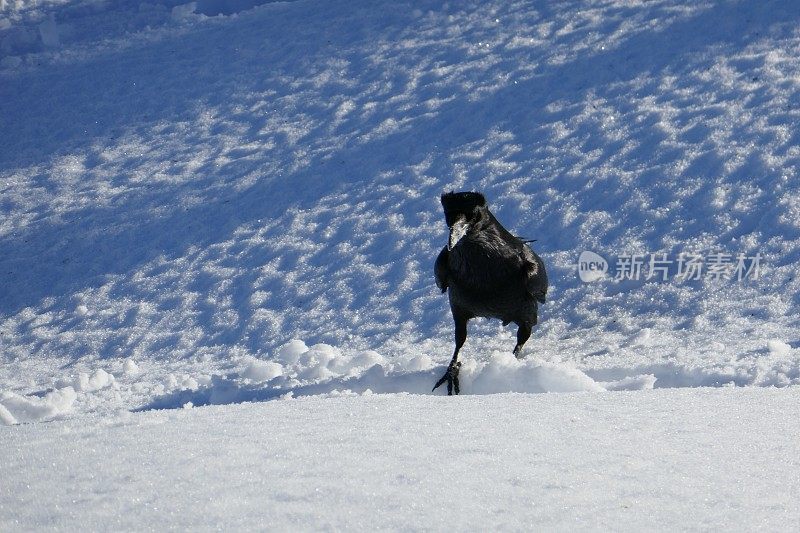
[234,201]
[183,195]
[186,193]
[686,460]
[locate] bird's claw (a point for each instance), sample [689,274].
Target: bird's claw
[451,377]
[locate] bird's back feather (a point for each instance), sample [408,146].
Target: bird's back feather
[492,273]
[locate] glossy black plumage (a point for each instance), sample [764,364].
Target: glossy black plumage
[487,272]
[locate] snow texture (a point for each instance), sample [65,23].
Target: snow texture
[216,202]
[197,216]
[688,459]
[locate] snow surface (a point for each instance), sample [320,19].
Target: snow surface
[666,460]
[218,202]
[190,195]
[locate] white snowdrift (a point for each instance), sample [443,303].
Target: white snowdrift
[299,370]
[16,408]
[296,369]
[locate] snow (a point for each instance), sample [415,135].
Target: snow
[130,367]
[183,216]
[670,459]
[17,408]
[257,370]
[205,204]
[99,379]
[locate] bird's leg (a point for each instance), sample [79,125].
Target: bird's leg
[451,375]
[523,333]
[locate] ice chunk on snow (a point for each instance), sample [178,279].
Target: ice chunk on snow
[257,370]
[32,408]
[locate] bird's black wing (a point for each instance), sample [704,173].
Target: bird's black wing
[536,282]
[440,269]
[531,264]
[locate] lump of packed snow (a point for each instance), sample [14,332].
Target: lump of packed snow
[366,359]
[182,382]
[313,363]
[643,338]
[506,373]
[170,382]
[779,348]
[130,368]
[18,408]
[100,379]
[258,370]
[419,363]
[290,352]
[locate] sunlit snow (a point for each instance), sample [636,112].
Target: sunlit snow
[219,202]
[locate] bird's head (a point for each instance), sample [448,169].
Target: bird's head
[461,210]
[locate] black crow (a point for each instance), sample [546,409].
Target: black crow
[488,272]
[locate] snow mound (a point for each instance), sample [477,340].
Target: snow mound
[297,370]
[258,371]
[99,379]
[505,373]
[778,347]
[17,408]
[130,368]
